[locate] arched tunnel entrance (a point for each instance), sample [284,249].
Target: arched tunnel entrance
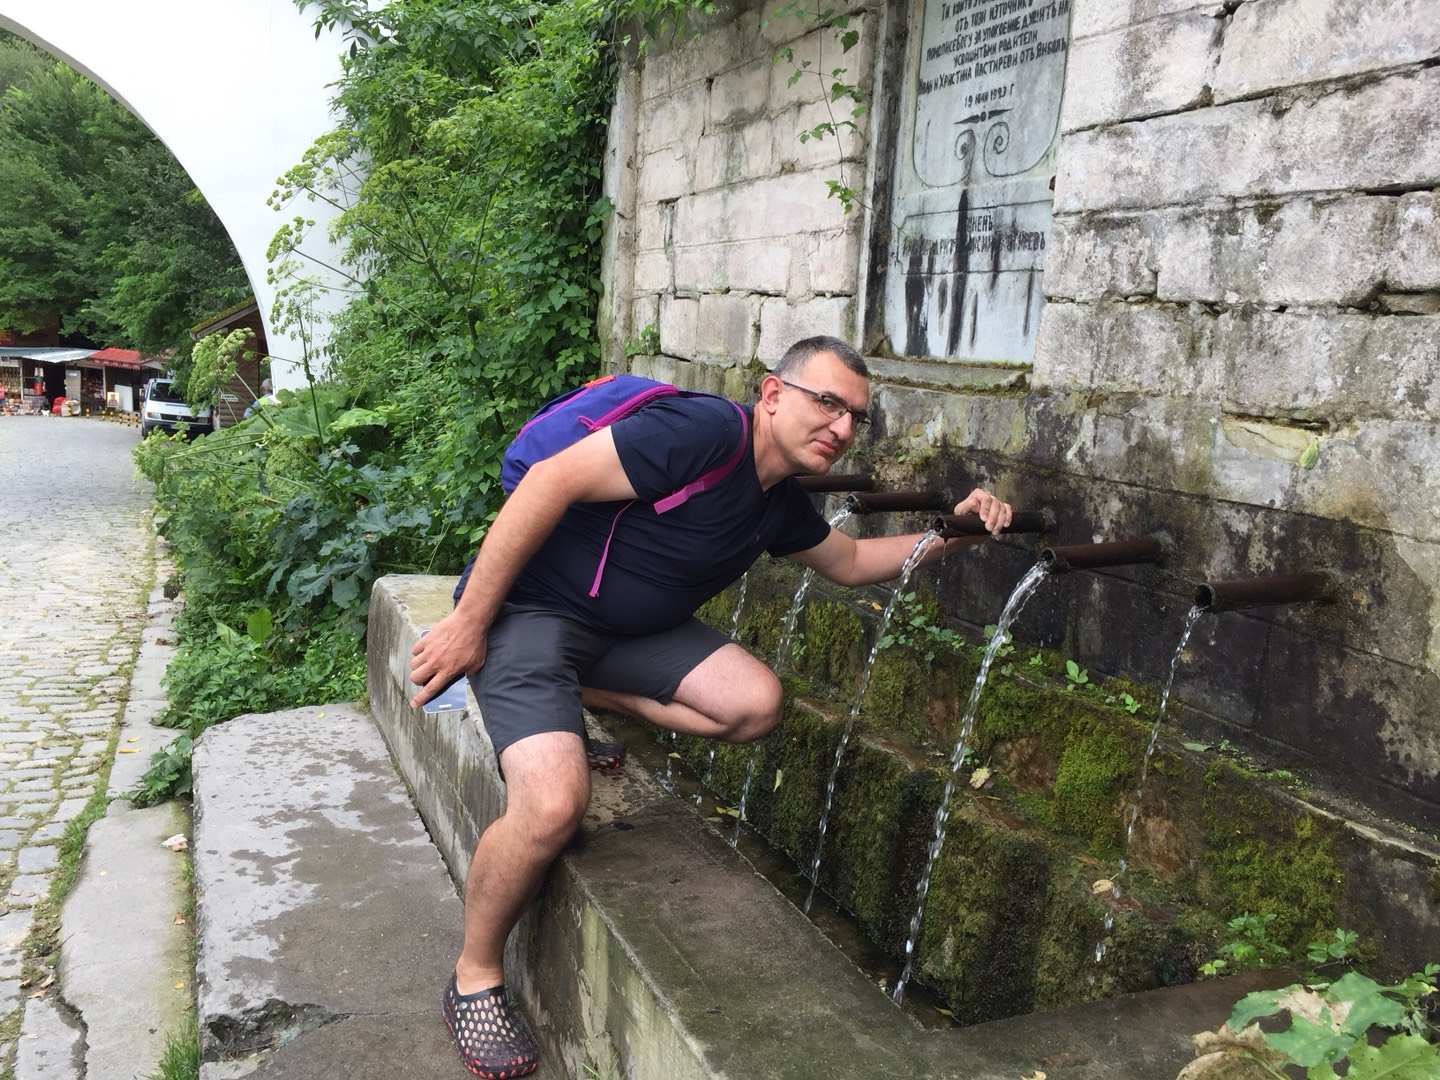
[236,92]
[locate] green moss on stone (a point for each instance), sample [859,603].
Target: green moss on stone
[1261,859]
[1094,769]
[831,643]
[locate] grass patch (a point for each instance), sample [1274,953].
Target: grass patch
[181,1059]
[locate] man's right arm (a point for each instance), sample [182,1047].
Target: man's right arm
[586,471]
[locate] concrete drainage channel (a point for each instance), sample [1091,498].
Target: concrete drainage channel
[658,951]
[124,983]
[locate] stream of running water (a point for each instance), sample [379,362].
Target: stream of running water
[1022,592]
[782,654]
[1133,814]
[905,571]
[734,636]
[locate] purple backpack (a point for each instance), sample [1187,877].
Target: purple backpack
[599,403]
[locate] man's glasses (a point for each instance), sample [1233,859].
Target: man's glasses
[832,406]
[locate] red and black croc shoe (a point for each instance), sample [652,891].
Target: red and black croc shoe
[493,1039]
[604,755]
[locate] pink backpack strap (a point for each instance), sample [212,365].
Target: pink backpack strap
[715,475]
[600,570]
[628,406]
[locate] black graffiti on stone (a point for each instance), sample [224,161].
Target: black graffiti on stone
[953,267]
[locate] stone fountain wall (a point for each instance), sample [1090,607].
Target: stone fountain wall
[1159,266]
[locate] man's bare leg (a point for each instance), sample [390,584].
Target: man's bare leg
[547,787]
[730,695]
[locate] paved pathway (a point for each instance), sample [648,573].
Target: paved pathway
[75,553]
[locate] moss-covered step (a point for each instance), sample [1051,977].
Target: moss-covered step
[1213,837]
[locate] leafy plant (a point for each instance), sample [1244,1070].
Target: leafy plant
[913,627]
[1247,945]
[168,775]
[1075,675]
[1338,948]
[834,88]
[645,343]
[1369,1030]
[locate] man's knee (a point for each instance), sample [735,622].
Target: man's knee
[760,711]
[551,815]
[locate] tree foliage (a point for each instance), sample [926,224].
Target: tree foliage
[466,172]
[100,227]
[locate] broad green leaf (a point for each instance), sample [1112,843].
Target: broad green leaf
[1401,1057]
[1253,1006]
[1367,1004]
[259,624]
[1311,1042]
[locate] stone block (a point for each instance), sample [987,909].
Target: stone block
[1065,348]
[1101,16]
[775,206]
[678,317]
[1259,148]
[782,323]
[761,266]
[676,118]
[816,56]
[1127,349]
[739,95]
[650,226]
[1100,255]
[722,45]
[1306,252]
[791,153]
[725,326]
[652,272]
[665,174]
[1381,474]
[1333,368]
[52,1043]
[1283,43]
[830,262]
[1415,258]
[1163,65]
[644,312]
[732,154]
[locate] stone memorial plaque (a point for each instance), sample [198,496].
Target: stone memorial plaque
[973,172]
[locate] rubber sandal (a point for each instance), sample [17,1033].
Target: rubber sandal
[604,755]
[492,1037]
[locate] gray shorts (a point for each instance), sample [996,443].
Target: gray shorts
[537,661]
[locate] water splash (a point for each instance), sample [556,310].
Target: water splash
[1021,593]
[787,632]
[1132,814]
[782,653]
[905,571]
[734,636]
[739,606]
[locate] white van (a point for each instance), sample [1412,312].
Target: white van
[166,409]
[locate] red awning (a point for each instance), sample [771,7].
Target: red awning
[118,358]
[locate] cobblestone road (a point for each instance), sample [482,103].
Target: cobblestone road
[75,553]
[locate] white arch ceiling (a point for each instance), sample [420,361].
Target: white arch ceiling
[237,89]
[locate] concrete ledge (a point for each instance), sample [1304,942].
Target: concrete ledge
[657,951]
[327,926]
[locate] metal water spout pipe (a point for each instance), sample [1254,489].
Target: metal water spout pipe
[1316,586]
[896,501]
[1023,521]
[1145,549]
[838,482]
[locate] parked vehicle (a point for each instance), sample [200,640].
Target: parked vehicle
[165,409]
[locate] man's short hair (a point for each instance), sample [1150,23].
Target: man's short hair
[798,354]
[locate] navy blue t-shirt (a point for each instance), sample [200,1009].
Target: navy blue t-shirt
[662,567]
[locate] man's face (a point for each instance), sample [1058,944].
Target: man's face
[811,439]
